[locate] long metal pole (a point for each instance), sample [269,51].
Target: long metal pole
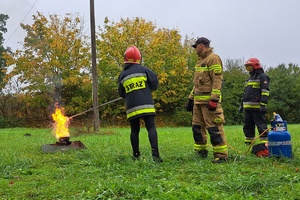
[83,112]
[94,68]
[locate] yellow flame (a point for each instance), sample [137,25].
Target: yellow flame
[61,128]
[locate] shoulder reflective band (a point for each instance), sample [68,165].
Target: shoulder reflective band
[201,69]
[216,68]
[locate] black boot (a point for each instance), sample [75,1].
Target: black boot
[219,160]
[157,159]
[155,156]
[136,155]
[203,153]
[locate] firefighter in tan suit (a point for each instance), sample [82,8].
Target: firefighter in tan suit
[205,102]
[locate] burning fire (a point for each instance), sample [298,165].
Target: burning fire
[61,128]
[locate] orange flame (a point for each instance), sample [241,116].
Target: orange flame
[61,126]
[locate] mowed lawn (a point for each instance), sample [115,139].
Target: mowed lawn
[105,169]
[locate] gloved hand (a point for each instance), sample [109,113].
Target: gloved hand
[263,153]
[263,110]
[212,105]
[260,150]
[189,105]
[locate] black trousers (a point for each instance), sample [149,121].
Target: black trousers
[254,118]
[152,133]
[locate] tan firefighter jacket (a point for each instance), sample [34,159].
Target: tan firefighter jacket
[207,78]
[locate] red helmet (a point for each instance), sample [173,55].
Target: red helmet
[253,62]
[132,55]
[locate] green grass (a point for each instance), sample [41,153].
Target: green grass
[105,169]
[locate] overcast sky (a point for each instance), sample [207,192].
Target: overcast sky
[238,29]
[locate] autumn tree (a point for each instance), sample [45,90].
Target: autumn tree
[6,99]
[53,65]
[3,29]
[162,51]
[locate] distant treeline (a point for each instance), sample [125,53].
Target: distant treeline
[54,65]
[19,110]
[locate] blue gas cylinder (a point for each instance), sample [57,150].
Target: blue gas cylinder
[279,139]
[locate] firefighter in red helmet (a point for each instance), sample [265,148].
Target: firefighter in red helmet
[255,99]
[135,85]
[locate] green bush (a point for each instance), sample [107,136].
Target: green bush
[11,123]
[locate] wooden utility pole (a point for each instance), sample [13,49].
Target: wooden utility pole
[94,69]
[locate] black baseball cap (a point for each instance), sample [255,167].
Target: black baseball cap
[202,40]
